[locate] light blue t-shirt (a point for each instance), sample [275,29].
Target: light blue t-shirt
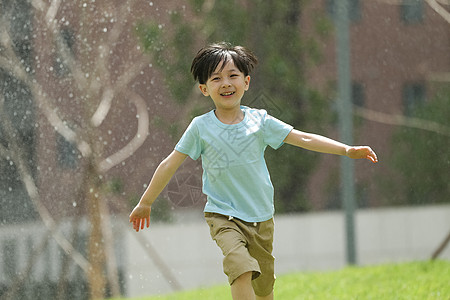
[236,180]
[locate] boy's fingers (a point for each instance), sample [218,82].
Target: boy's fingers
[368,153]
[139,224]
[363,152]
[373,156]
[138,218]
[136,224]
[132,216]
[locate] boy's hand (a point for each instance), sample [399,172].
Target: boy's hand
[362,152]
[139,215]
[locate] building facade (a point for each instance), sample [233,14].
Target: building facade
[399,50]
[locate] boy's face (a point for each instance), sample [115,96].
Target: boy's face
[227,86]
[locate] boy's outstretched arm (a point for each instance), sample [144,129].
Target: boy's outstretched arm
[166,169]
[323,144]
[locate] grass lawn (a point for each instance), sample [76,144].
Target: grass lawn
[417,280]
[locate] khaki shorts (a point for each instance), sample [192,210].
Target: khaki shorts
[247,247]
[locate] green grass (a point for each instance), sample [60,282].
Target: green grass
[409,281]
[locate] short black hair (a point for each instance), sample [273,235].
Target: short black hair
[209,57]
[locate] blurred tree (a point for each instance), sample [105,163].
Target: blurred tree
[439,7]
[16,108]
[272,30]
[44,50]
[422,157]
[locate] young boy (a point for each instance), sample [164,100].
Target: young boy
[231,140]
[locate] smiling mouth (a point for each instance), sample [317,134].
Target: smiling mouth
[227,94]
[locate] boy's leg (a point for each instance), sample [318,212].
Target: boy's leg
[268,297]
[233,243]
[245,286]
[239,263]
[261,248]
[241,288]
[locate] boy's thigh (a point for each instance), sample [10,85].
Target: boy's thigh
[245,248]
[233,243]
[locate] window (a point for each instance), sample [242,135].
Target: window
[16,126]
[9,261]
[354,13]
[59,65]
[358,97]
[67,153]
[413,97]
[411,11]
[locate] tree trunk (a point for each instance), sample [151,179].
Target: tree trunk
[96,251]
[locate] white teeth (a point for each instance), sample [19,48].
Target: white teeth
[228,94]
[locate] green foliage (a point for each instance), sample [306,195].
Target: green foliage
[115,186]
[172,128]
[408,281]
[422,158]
[168,49]
[272,30]
[161,211]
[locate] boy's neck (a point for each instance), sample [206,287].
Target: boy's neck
[229,117]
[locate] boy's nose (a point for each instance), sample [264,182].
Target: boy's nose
[226,84]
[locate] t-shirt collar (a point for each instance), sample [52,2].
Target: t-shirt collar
[230,126]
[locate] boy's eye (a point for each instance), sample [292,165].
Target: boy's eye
[215,78]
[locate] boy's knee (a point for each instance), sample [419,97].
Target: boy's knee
[263,285]
[239,262]
[246,277]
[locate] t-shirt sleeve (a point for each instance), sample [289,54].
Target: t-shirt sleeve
[189,143]
[275,131]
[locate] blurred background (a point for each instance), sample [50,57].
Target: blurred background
[95,93]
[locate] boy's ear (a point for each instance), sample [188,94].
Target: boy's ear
[203,89]
[247,82]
